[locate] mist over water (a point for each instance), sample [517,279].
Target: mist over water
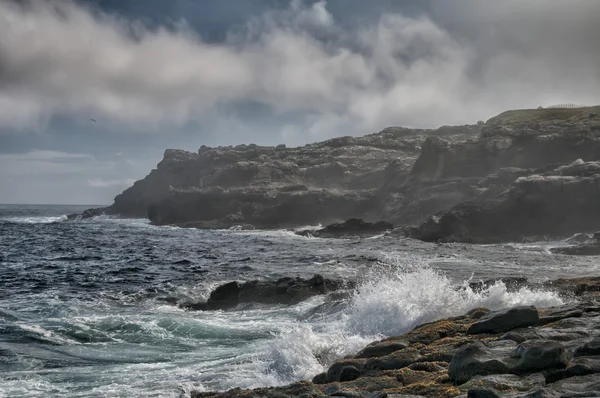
[86,308]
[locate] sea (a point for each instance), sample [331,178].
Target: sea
[89,308]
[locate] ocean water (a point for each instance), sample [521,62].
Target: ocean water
[86,308]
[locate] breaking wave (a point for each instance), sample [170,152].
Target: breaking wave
[392,300]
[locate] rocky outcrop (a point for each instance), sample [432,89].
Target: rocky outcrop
[354,227]
[282,291]
[531,173]
[556,203]
[275,187]
[522,174]
[525,358]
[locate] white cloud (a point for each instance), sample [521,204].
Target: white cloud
[60,58]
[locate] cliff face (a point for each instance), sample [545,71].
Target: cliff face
[522,173]
[272,187]
[530,174]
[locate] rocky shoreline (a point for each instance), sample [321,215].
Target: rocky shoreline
[512,352]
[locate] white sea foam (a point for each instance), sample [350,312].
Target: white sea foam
[401,298]
[35,219]
[391,301]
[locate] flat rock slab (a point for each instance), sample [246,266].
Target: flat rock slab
[505,320]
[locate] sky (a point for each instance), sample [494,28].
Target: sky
[93,91]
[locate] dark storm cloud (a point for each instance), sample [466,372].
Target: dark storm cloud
[63,58]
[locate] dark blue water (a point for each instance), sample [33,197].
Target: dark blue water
[88,308]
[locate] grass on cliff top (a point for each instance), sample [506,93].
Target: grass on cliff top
[546,116]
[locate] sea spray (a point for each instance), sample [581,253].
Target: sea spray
[393,299]
[397,297]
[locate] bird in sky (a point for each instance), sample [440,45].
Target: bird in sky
[93,120]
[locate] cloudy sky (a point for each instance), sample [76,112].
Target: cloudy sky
[157,74]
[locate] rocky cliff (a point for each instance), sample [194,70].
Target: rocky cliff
[273,187]
[530,174]
[524,173]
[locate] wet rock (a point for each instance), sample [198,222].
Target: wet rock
[349,373]
[395,360]
[578,386]
[350,228]
[580,366]
[476,359]
[321,378]
[381,349]
[286,290]
[482,393]
[89,213]
[225,296]
[537,355]
[512,283]
[501,383]
[576,286]
[282,291]
[335,371]
[590,348]
[505,320]
[558,313]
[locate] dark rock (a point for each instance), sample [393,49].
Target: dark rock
[335,371]
[381,349]
[562,312]
[576,286]
[505,320]
[396,360]
[352,227]
[475,359]
[580,366]
[512,283]
[482,393]
[321,378]
[589,348]
[286,290]
[225,296]
[282,291]
[578,386]
[89,213]
[537,355]
[349,373]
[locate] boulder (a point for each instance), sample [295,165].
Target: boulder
[505,320]
[380,349]
[350,228]
[537,355]
[225,296]
[349,373]
[477,359]
[590,348]
[282,291]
